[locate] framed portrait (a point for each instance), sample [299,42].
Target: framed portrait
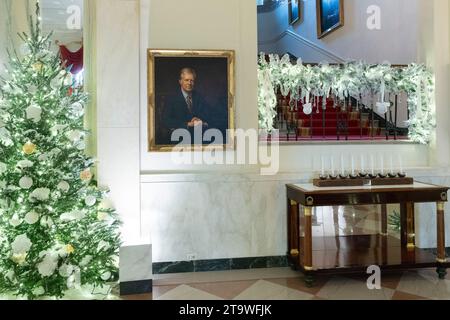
[190,99]
[294,11]
[330,16]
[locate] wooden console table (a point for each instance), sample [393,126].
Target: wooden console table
[354,253]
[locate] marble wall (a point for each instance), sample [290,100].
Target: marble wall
[244,215]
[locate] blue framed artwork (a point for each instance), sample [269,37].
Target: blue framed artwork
[294,11]
[330,16]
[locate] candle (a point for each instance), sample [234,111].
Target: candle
[323,165]
[391,160]
[400,161]
[342,165]
[353,165]
[362,163]
[332,166]
[372,164]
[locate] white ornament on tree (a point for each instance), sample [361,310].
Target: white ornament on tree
[63,186]
[90,201]
[21,244]
[34,113]
[26,183]
[32,217]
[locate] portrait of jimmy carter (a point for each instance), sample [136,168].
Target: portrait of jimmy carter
[190,93]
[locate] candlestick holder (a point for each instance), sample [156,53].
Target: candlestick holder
[392,175]
[382,175]
[372,175]
[402,174]
[333,177]
[363,174]
[323,177]
[353,176]
[343,176]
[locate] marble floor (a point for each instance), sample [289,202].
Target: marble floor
[286,284]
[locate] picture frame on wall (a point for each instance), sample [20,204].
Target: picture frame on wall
[330,16]
[294,11]
[190,99]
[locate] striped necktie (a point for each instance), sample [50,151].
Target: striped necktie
[189,103]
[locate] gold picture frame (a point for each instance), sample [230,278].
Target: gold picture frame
[330,16]
[211,77]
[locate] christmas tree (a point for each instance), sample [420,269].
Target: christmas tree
[57,231]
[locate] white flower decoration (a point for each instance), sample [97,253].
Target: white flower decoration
[32,217]
[34,113]
[66,270]
[25,183]
[15,221]
[41,194]
[85,261]
[48,266]
[21,244]
[25,164]
[74,135]
[47,222]
[75,215]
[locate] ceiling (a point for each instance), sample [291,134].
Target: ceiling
[55,18]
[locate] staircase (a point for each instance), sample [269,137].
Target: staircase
[336,122]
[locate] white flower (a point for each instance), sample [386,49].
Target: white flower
[106,276]
[34,113]
[32,217]
[47,222]
[10,275]
[41,194]
[3,168]
[24,164]
[81,146]
[57,128]
[63,186]
[21,244]
[74,135]
[74,215]
[43,157]
[26,183]
[48,266]
[103,245]
[90,201]
[66,270]
[5,137]
[76,110]
[85,261]
[19,258]
[39,291]
[15,221]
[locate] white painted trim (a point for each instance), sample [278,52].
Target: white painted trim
[309,43]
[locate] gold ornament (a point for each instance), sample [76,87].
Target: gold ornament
[70,249]
[38,66]
[19,258]
[29,148]
[86,175]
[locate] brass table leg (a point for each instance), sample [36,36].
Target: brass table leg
[308,259]
[441,270]
[407,225]
[294,230]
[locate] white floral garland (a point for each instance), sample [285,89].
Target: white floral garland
[354,79]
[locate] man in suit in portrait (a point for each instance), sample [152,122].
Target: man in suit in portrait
[186,108]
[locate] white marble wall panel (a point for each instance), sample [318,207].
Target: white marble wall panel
[136,263]
[240,215]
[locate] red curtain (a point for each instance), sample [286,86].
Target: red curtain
[74,59]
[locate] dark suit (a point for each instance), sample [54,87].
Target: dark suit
[177,115]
